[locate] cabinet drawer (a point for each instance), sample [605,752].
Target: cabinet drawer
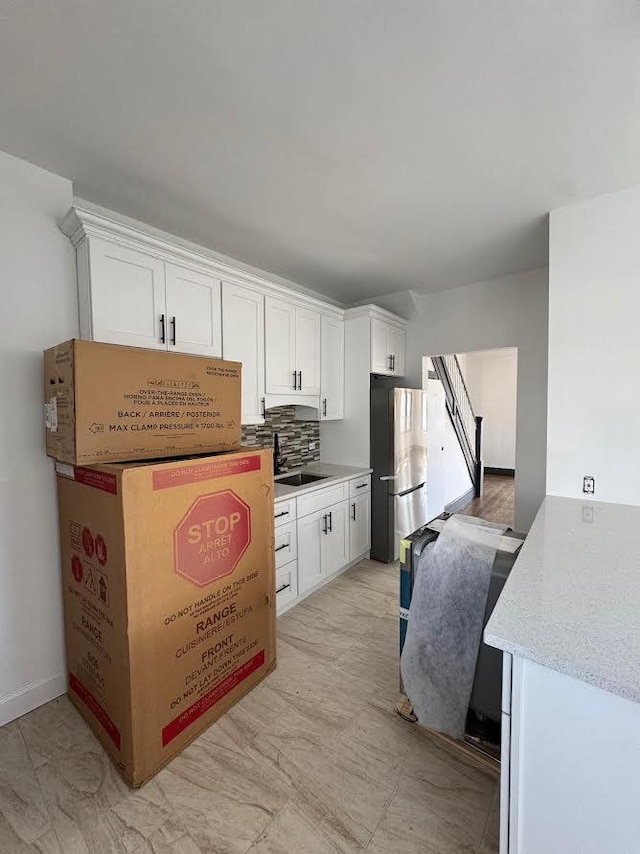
[359,485]
[286,584]
[284,511]
[322,498]
[286,544]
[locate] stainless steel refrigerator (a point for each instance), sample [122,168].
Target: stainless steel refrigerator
[399,418]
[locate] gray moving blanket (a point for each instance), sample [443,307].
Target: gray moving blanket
[445,622]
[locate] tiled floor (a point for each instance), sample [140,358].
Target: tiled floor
[497,502]
[314,760]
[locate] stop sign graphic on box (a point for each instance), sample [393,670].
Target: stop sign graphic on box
[212,537]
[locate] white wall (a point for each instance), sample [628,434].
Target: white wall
[38,308]
[457,481]
[491,377]
[594,348]
[507,312]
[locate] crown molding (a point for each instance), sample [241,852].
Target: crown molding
[374,311]
[85,220]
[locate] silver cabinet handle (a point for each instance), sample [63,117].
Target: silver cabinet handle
[163,334]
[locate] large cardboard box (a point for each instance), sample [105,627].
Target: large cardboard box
[169,595]
[105,402]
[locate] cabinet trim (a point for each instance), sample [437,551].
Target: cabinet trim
[375,312]
[84,219]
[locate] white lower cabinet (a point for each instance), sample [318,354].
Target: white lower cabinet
[359,525]
[336,540]
[316,536]
[311,532]
[286,585]
[323,544]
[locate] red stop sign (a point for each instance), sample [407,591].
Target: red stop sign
[212,537]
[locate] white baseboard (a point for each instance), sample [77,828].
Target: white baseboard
[32,695]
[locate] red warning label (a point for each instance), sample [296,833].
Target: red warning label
[209,700]
[76,568]
[101,715]
[87,542]
[101,550]
[196,472]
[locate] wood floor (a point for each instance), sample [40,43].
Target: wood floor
[497,502]
[314,760]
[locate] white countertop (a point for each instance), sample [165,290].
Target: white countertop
[572,600]
[334,474]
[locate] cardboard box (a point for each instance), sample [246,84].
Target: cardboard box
[105,402]
[169,594]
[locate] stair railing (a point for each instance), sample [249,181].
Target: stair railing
[466,424]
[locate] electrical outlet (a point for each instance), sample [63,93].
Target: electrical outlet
[588,484]
[312,446]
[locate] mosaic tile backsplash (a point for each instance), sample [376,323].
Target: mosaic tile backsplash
[294,436]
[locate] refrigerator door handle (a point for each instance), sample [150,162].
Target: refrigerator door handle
[412,489]
[388,477]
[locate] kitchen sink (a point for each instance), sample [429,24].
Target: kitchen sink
[300,479]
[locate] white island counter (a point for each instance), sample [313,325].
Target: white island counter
[569,623]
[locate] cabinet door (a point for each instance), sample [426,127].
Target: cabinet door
[396,347]
[243,341]
[379,352]
[194,312]
[359,525]
[280,346]
[331,368]
[311,550]
[335,546]
[308,351]
[127,296]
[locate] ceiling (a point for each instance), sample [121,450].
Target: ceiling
[358,148]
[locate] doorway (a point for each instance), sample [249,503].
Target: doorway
[487,380]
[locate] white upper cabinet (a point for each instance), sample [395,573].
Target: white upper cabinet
[292,354]
[243,341]
[193,311]
[308,350]
[127,295]
[380,362]
[141,287]
[331,368]
[396,344]
[388,343]
[131,296]
[280,352]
